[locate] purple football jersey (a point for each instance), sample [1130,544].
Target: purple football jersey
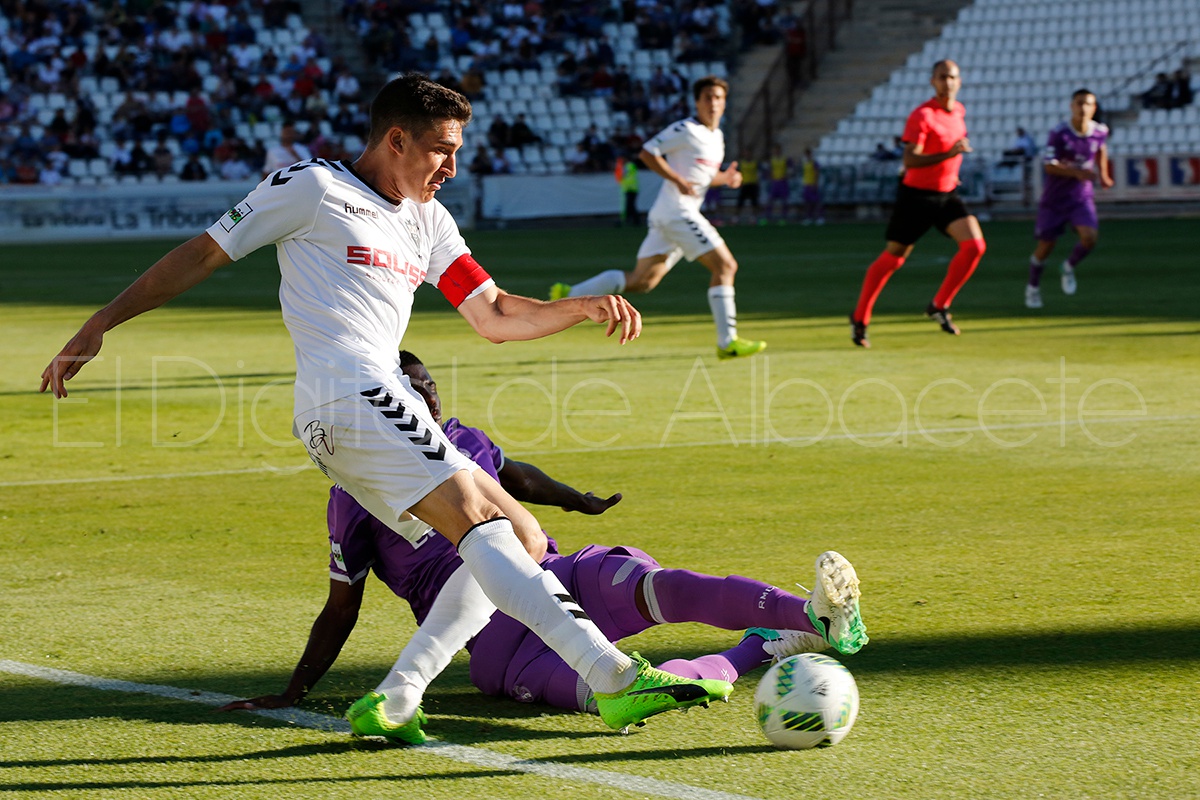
[1068,147]
[415,572]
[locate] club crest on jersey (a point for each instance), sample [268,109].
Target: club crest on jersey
[235,215]
[414,231]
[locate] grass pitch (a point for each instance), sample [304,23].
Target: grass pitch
[1019,501]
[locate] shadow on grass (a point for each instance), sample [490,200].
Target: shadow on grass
[1162,644]
[205,783]
[465,713]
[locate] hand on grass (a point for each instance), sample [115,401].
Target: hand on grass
[260,703]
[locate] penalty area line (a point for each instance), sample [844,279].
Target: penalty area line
[475,756]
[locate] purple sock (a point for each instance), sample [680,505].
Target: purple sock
[1035,272]
[1078,253]
[726,666]
[734,603]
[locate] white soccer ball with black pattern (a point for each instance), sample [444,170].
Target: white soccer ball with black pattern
[804,701]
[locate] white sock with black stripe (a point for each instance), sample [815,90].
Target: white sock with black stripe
[537,599]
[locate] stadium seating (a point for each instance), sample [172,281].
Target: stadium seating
[1021,61]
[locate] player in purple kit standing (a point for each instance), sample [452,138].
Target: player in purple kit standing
[623,589]
[1076,159]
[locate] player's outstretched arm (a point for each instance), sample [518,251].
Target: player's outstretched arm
[529,484]
[501,317]
[172,275]
[329,632]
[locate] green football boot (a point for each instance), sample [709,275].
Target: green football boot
[367,719]
[653,692]
[740,348]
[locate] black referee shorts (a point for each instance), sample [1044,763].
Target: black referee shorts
[918,210]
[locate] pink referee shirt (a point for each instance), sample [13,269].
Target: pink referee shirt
[935,130]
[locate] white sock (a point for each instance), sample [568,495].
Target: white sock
[610,281]
[538,600]
[724,311]
[460,611]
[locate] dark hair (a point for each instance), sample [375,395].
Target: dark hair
[942,63]
[708,80]
[1078,92]
[416,104]
[407,360]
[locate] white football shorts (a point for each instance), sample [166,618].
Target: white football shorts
[383,447]
[688,235]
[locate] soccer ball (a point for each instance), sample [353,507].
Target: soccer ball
[804,701]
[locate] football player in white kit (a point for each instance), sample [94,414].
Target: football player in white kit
[354,240]
[688,155]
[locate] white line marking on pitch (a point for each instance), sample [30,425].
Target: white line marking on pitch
[476,756]
[516,451]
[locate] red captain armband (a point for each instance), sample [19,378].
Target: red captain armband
[461,278]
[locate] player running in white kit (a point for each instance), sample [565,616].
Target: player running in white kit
[688,155]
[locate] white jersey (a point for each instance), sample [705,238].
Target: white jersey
[349,260]
[695,152]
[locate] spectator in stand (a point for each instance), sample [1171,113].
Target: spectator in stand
[473,83]
[140,162]
[883,153]
[227,148]
[1158,95]
[121,160]
[1021,150]
[349,120]
[520,134]
[25,146]
[49,176]
[1181,89]
[287,152]
[163,158]
[482,163]
[460,39]
[602,81]
[8,109]
[26,172]
[57,158]
[497,134]
[235,169]
[346,88]
[581,159]
[194,169]
[59,126]
[500,165]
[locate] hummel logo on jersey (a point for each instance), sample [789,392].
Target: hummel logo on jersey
[366,212]
[680,692]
